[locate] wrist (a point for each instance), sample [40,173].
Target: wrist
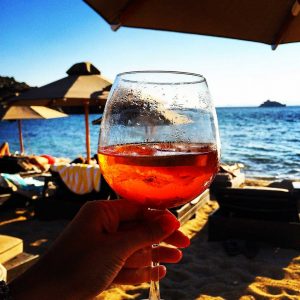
[32,284]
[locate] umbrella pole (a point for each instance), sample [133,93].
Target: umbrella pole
[20,136]
[87,131]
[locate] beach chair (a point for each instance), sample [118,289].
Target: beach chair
[3,273]
[188,211]
[68,188]
[9,247]
[259,214]
[28,187]
[265,203]
[20,192]
[228,176]
[13,260]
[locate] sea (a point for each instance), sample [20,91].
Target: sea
[265,140]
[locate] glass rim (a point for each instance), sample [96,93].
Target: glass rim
[198,77]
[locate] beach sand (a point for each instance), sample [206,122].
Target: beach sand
[206,271]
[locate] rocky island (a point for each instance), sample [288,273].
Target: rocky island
[270,103]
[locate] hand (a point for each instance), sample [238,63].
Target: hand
[107,242]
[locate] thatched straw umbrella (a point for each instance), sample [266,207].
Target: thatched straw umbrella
[84,86]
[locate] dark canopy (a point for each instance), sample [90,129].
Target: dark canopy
[267,21]
[83,83]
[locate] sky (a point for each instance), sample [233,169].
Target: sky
[41,40]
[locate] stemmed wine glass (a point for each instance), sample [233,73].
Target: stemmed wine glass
[159,140]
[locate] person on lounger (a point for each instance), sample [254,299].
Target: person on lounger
[4,149]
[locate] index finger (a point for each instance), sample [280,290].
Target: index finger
[113,212]
[108,214]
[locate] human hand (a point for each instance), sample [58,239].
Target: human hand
[107,242]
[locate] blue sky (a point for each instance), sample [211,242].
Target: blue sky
[40,40]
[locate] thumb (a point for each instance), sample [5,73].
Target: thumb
[148,232]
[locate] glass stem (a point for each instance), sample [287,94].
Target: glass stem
[154,293]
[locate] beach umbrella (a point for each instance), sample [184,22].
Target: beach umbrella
[84,86]
[271,22]
[132,113]
[19,113]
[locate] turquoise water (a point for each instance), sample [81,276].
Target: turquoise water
[265,140]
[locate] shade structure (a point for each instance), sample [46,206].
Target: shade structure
[131,113]
[84,86]
[29,112]
[271,22]
[137,117]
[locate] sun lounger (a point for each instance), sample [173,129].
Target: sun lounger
[68,188]
[19,264]
[13,261]
[4,196]
[3,273]
[266,203]
[28,186]
[296,189]
[188,210]
[9,247]
[222,227]
[228,176]
[264,214]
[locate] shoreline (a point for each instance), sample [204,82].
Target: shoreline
[265,181]
[264,140]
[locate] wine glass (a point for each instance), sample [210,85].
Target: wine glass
[159,141]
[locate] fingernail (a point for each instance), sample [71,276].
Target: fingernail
[158,273]
[179,255]
[187,242]
[168,223]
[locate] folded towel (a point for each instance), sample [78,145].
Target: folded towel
[79,178]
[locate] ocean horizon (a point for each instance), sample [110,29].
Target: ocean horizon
[265,140]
